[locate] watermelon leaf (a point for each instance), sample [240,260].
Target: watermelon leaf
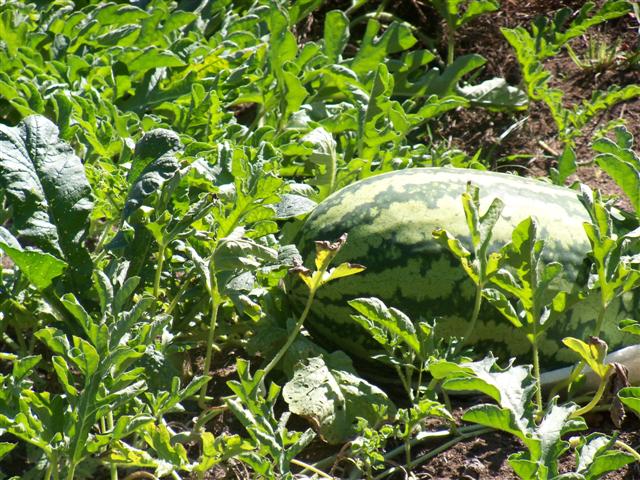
[596,455]
[615,265]
[332,398]
[46,187]
[39,267]
[482,265]
[514,413]
[592,353]
[618,158]
[392,321]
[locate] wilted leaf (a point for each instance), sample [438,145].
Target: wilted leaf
[332,399]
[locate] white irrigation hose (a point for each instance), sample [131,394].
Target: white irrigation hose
[628,356]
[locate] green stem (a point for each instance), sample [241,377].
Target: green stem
[536,374]
[156,282]
[594,401]
[405,384]
[294,333]
[422,437]
[628,449]
[600,320]
[215,303]
[311,468]
[450,44]
[207,415]
[178,296]
[474,318]
[103,237]
[434,452]
[112,467]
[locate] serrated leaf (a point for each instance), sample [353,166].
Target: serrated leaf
[500,302]
[390,319]
[374,50]
[596,456]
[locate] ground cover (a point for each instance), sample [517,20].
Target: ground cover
[157,162]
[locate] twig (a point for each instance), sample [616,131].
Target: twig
[548,149]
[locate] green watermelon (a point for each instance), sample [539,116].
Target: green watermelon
[389,220]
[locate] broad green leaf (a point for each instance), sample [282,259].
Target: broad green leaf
[85,356]
[5,448]
[494,417]
[151,58]
[630,396]
[323,158]
[593,353]
[342,270]
[500,302]
[445,84]
[24,365]
[237,251]
[39,267]
[45,184]
[152,146]
[291,206]
[566,164]
[596,456]
[61,367]
[154,171]
[495,94]
[621,162]
[390,319]
[332,399]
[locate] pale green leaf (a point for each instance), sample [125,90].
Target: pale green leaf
[39,267]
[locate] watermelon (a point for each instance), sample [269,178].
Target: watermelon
[389,220]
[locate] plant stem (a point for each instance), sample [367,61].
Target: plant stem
[601,313]
[156,282]
[450,44]
[434,452]
[113,467]
[215,303]
[405,384]
[594,401]
[294,333]
[183,288]
[628,449]
[306,466]
[536,374]
[474,318]
[141,474]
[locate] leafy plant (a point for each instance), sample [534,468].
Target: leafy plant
[483,264]
[544,40]
[541,432]
[455,17]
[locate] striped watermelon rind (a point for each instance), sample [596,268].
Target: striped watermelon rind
[390,219]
